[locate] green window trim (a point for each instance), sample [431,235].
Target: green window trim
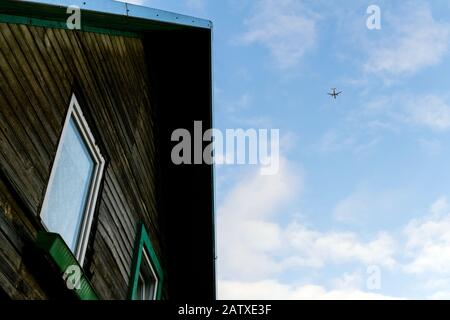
[55,247]
[143,242]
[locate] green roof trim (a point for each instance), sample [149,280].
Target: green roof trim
[100,16]
[55,24]
[61,256]
[143,242]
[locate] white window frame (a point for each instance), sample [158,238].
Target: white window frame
[75,113]
[152,272]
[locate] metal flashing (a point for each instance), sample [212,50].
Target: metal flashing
[109,7]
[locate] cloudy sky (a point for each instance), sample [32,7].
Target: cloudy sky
[364,182]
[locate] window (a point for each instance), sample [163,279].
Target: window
[146,276]
[147,281]
[74,182]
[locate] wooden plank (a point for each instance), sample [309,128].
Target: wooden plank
[30,83]
[125,222]
[15,214]
[116,116]
[13,275]
[44,83]
[12,91]
[17,146]
[108,229]
[116,287]
[54,80]
[39,67]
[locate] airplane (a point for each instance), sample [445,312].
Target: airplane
[334,94]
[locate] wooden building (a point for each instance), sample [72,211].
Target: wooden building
[91,205]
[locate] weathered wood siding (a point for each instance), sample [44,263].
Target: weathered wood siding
[39,70]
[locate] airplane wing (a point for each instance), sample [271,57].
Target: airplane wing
[339,92]
[330,94]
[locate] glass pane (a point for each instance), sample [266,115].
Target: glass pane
[140,290]
[147,291]
[150,290]
[66,199]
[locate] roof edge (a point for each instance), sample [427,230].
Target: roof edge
[118,8]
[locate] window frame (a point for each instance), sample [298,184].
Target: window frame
[74,112]
[152,273]
[143,249]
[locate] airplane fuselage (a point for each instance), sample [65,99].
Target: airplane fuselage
[334,94]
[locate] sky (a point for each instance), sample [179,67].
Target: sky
[360,208]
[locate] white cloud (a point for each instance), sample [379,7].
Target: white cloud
[246,233]
[364,205]
[284,27]
[349,280]
[258,196]
[351,208]
[427,249]
[440,206]
[428,241]
[429,111]
[255,248]
[418,41]
[437,284]
[314,249]
[253,245]
[440,295]
[274,290]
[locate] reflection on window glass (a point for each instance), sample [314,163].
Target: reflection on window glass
[66,198]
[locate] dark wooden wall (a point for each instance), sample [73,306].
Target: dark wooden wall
[40,68]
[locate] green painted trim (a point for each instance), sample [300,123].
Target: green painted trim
[143,242]
[46,23]
[62,257]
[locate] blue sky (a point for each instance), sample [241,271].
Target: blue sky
[364,179]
